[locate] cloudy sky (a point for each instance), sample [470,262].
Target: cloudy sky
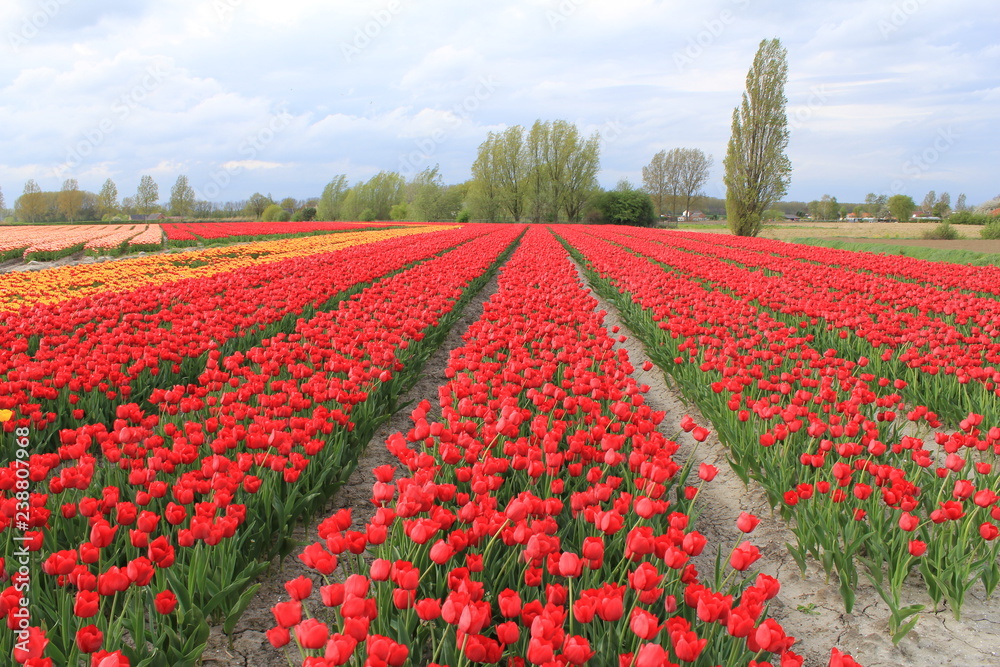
[279,97]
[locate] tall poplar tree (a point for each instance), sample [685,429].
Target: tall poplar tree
[757,169]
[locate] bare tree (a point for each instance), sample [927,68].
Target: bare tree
[693,167]
[662,179]
[257,204]
[927,205]
[655,179]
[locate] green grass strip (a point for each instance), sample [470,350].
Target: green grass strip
[952,255]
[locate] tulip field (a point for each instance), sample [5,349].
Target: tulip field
[188,233]
[169,420]
[51,242]
[46,243]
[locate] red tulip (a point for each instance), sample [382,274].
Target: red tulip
[87,604]
[577,650]
[312,633]
[165,602]
[747,522]
[106,659]
[744,556]
[287,614]
[31,647]
[299,588]
[278,636]
[89,639]
[643,624]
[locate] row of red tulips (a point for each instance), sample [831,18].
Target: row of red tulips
[906,330]
[540,517]
[959,278]
[77,360]
[143,527]
[832,443]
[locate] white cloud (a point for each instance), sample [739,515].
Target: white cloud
[250,165]
[259,85]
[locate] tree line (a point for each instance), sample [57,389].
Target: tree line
[543,174]
[898,206]
[547,173]
[70,203]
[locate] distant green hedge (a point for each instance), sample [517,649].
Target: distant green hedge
[970,218]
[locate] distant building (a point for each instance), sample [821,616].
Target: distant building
[146,218]
[691,216]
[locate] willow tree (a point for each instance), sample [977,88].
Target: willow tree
[541,174]
[332,200]
[501,173]
[485,190]
[757,170]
